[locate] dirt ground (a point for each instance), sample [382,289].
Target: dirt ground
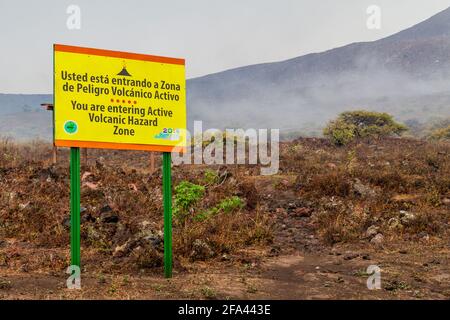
[408,271]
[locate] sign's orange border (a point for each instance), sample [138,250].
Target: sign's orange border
[123,55]
[118,146]
[117,54]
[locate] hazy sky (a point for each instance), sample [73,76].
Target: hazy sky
[211,35]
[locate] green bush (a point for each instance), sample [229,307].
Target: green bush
[230,204]
[339,132]
[210,177]
[187,194]
[227,205]
[351,125]
[441,134]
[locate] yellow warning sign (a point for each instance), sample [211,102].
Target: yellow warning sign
[118,100]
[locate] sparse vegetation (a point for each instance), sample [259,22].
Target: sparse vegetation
[210,177]
[226,206]
[208,292]
[390,190]
[441,134]
[373,184]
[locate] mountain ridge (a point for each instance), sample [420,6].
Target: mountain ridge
[406,74]
[369,75]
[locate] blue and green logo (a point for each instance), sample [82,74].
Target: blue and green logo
[70,127]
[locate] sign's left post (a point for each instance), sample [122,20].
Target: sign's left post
[75,206]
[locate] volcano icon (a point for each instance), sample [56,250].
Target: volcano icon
[124,72]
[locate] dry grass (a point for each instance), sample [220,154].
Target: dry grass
[34,205]
[395,175]
[348,189]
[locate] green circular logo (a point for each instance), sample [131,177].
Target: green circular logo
[70,127]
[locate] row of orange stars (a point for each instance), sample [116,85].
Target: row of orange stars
[123,101]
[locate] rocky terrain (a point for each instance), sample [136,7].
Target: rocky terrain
[309,232]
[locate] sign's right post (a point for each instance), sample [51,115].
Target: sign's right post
[167,196]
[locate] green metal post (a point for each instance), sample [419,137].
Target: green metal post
[75,206]
[167,195]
